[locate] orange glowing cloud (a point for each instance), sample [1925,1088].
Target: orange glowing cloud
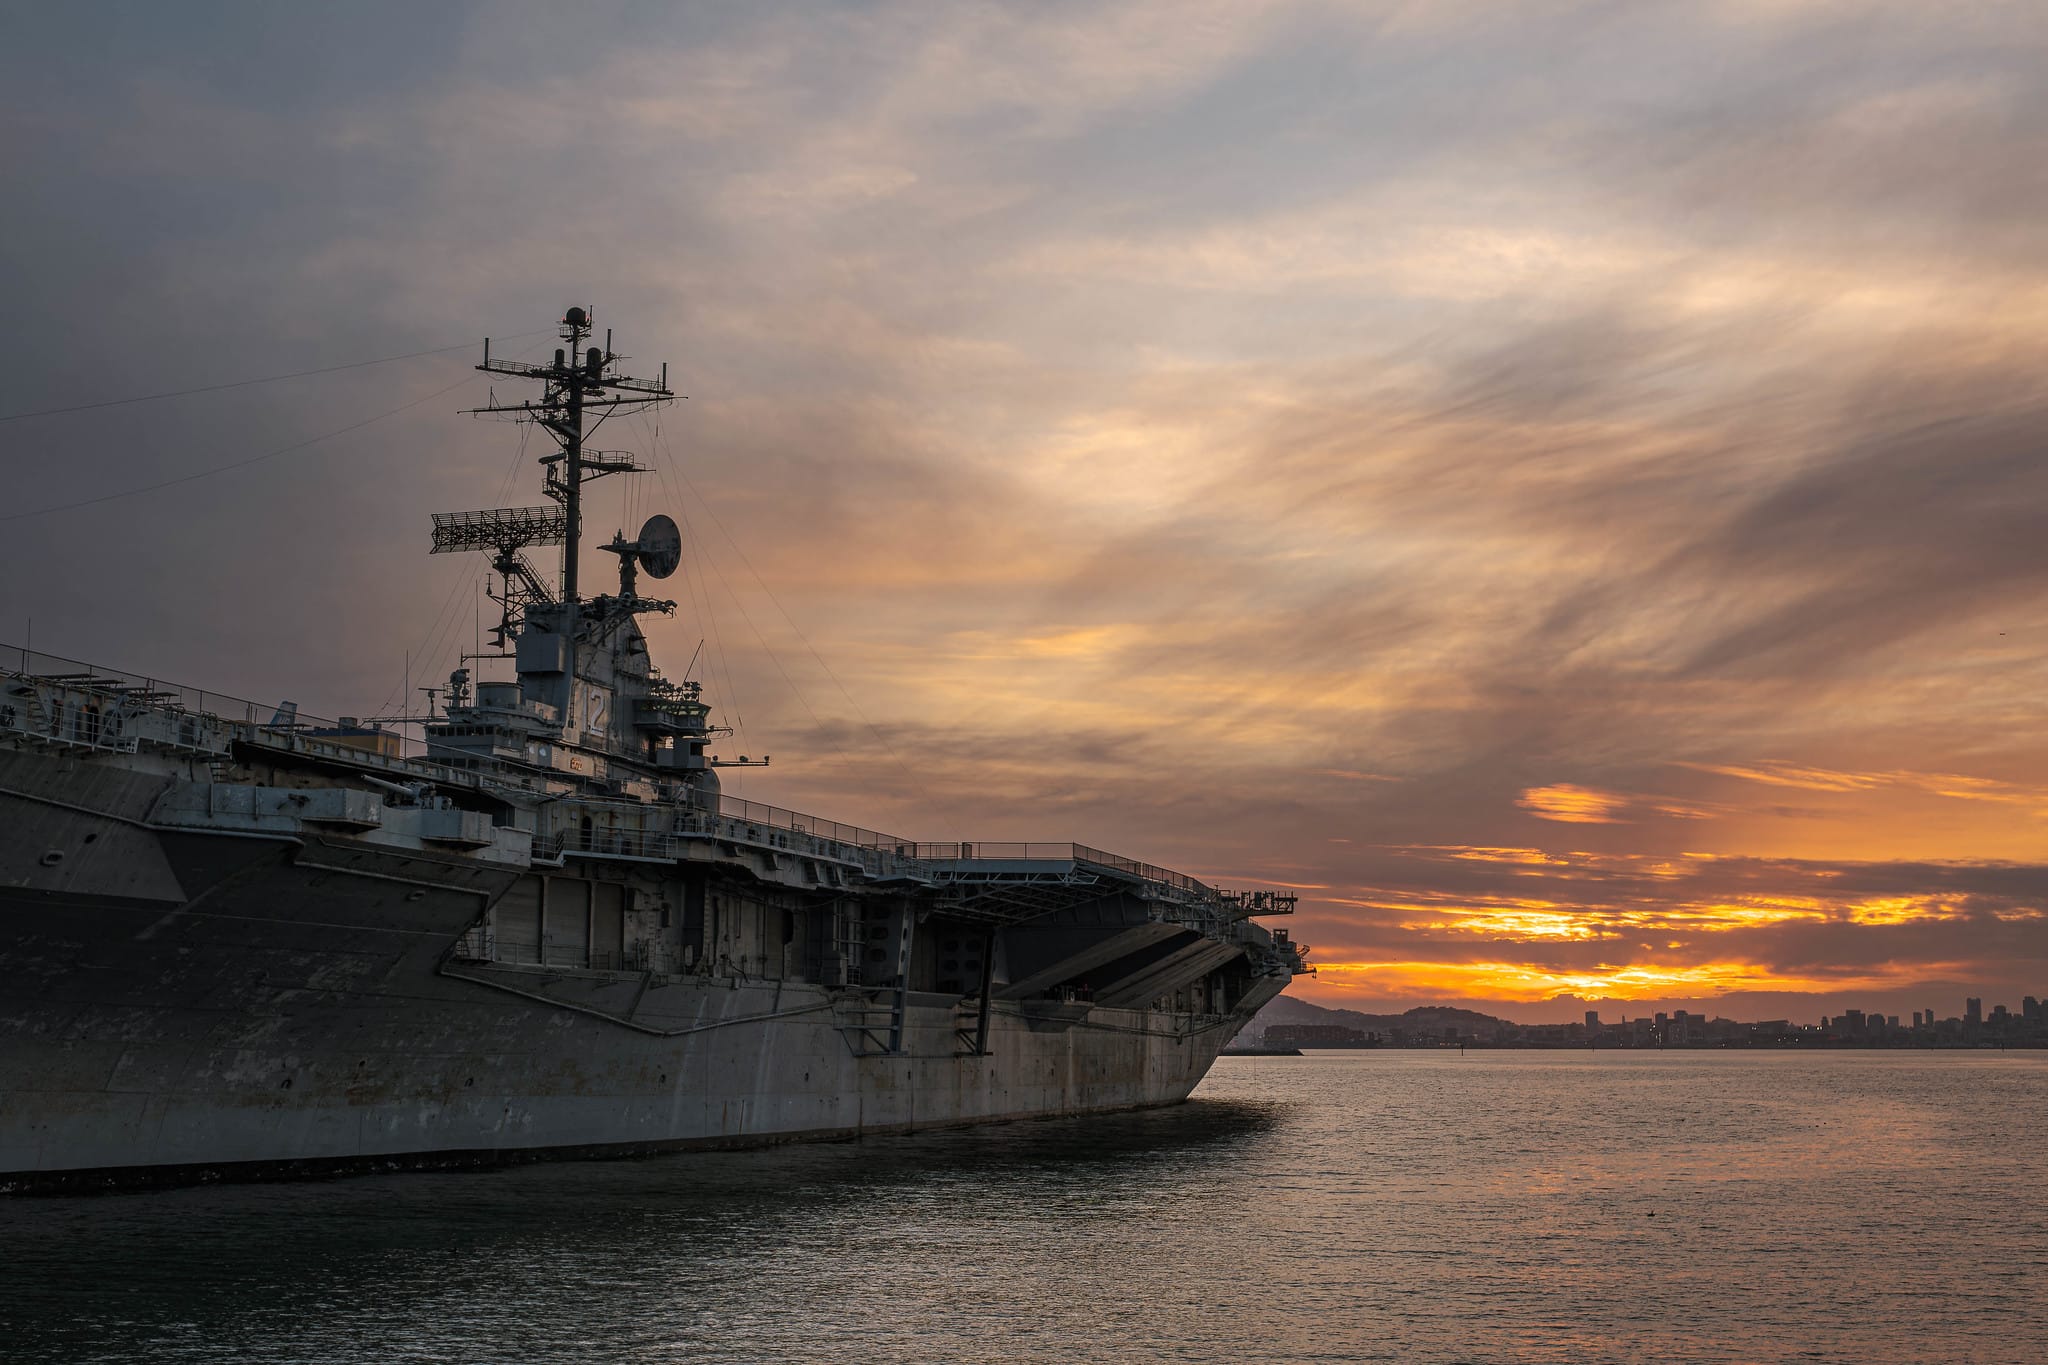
[1956,786]
[1900,910]
[1528,982]
[1526,919]
[1789,775]
[1536,860]
[1573,805]
[1527,857]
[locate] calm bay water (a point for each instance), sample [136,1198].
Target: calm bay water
[1399,1206]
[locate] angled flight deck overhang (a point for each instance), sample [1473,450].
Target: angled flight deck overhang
[1079,917]
[1007,882]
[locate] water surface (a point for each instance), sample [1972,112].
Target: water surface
[1394,1206]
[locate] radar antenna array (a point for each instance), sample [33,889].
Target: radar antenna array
[661,546]
[658,549]
[505,531]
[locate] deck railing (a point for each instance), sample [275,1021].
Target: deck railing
[284,725]
[281,723]
[775,817]
[1058,852]
[141,690]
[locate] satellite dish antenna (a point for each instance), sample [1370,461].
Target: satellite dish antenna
[661,546]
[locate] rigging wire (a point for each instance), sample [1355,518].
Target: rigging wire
[817,722]
[468,583]
[229,468]
[698,581]
[702,599]
[873,729]
[930,805]
[428,653]
[433,648]
[700,585]
[700,552]
[245,383]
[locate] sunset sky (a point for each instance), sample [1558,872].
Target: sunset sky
[1561,486]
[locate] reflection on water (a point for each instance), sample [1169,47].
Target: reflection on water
[1384,1206]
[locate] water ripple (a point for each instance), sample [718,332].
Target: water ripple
[1414,1207]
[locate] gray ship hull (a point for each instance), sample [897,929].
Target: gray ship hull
[197,1004]
[235,940]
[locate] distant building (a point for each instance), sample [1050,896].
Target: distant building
[1593,1017]
[1973,1010]
[2030,1008]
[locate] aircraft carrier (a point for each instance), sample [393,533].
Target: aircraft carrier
[238,942]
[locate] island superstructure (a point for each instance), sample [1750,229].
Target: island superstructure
[241,942]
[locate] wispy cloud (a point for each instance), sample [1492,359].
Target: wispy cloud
[1956,786]
[1571,804]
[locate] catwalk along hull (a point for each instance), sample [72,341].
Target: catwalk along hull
[192,1003]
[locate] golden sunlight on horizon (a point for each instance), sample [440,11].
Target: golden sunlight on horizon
[1526,984]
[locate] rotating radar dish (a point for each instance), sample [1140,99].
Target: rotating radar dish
[661,546]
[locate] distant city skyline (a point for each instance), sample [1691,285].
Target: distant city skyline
[1433,1025]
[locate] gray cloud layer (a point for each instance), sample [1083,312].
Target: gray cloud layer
[1149,411]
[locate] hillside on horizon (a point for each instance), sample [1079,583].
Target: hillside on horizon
[1288,1009]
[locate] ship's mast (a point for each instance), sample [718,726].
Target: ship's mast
[569,431]
[579,382]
